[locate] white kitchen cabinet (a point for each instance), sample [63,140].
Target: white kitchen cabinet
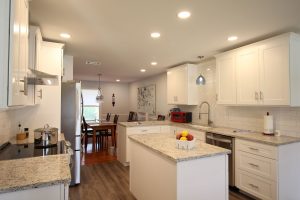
[267,172]
[35,92]
[18,53]
[226,78]
[51,58]
[54,192]
[266,73]
[247,65]
[181,85]
[123,150]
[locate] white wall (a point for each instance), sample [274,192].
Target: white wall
[121,91]
[160,81]
[287,119]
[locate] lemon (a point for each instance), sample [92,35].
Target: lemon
[183,138]
[184,133]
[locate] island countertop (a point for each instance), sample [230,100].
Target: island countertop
[232,132]
[28,173]
[165,144]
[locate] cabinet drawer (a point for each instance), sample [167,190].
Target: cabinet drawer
[259,187]
[143,130]
[256,148]
[258,165]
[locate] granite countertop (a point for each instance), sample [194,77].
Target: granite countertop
[242,134]
[165,144]
[27,173]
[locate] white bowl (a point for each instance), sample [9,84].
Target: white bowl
[184,144]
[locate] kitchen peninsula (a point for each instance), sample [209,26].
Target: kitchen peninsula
[158,170]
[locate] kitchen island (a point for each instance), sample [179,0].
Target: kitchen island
[158,170]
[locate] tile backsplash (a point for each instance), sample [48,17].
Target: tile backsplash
[6,128]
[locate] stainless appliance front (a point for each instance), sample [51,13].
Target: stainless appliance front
[225,142]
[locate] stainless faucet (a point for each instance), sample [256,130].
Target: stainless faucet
[208,111]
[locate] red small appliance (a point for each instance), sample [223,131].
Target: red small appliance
[181,117]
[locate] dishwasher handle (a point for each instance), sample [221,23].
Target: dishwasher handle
[219,139]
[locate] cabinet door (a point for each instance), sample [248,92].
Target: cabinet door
[177,85]
[226,79]
[274,62]
[247,64]
[18,57]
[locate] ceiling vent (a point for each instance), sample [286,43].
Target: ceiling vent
[90,62]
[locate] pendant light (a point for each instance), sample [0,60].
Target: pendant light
[200,80]
[99,97]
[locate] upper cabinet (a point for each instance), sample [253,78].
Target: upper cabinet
[181,85]
[18,53]
[13,52]
[226,78]
[264,73]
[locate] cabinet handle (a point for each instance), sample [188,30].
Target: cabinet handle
[261,95]
[254,149]
[254,186]
[25,87]
[41,93]
[254,165]
[256,96]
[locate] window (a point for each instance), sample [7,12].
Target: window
[90,105]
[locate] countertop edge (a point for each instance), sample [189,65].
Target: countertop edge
[226,151]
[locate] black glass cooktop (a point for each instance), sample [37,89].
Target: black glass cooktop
[17,151]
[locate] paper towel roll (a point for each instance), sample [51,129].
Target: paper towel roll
[268,124]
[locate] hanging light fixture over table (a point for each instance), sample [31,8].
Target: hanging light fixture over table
[200,80]
[99,97]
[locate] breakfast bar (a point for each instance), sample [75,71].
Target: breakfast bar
[161,171]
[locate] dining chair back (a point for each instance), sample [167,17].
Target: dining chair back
[108,117]
[116,118]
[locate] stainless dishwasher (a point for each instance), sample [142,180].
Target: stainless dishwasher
[225,142]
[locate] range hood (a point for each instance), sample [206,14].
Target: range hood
[41,78]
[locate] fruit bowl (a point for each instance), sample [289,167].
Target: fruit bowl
[181,144]
[185,140]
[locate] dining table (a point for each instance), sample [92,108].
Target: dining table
[100,126]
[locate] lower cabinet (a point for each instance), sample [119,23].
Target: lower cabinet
[54,192]
[268,172]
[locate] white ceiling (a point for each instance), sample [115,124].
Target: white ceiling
[117,32]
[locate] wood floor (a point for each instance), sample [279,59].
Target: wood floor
[103,177]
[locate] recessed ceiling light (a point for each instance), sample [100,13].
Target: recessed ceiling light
[208,69]
[184,14]
[118,80]
[143,70]
[232,38]
[65,35]
[153,63]
[155,35]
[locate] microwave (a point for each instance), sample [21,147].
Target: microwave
[181,117]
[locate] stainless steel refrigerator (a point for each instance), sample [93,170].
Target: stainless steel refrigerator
[71,123]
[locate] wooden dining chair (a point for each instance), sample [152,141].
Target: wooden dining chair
[108,133]
[108,117]
[88,133]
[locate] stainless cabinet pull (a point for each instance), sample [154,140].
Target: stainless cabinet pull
[25,87]
[41,93]
[256,96]
[254,165]
[261,96]
[254,149]
[254,186]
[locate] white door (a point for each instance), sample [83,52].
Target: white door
[274,62]
[226,79]
[247,65]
